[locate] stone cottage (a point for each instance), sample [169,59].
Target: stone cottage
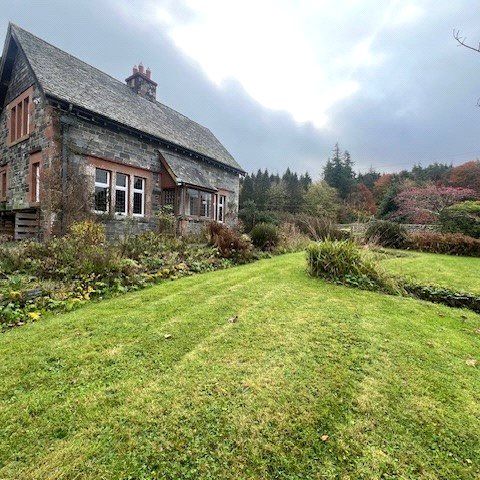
[74,140]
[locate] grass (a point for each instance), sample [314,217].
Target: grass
[159,384]
[449,271]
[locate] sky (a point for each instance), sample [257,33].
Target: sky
[279,82]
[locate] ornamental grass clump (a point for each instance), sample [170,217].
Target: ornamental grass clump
[346,263]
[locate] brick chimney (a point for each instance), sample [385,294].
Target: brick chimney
[140,82]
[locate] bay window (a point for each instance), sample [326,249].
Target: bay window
[192,207]
[121,194]
[102,190]
[138,196]
[199,203]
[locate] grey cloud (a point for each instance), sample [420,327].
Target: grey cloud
[418,105]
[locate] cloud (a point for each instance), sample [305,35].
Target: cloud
[280,82]
[274,51]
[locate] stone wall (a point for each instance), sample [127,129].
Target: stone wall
[87,139]
[82,138]
[43,125]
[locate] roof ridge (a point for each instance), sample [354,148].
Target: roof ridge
[105,73]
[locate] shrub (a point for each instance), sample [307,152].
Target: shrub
[229,242]
[87,233]
[291,239]
[386,234]
[264,236]
[344,262]
[448,243]
[318,228]
[463,218]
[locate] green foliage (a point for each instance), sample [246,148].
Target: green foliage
[447,296]
[65,272]
[319,228]
[447,243]
[344,262]
[462,217]
[338,172]
[386,234]
[265,236]
[250,215]
[321,200]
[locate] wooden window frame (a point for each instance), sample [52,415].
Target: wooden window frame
[120,188]
[199,205]
[35,181]
[131,172]
[23,104]
[4,183]
[221,205]
[108,188]
[138,191]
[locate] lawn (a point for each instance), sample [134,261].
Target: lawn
[460,273]
[313,381]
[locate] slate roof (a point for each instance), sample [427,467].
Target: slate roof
[186,171]
[67,78]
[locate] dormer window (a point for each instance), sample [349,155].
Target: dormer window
[19,122]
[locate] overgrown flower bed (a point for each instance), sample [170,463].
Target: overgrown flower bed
[63,273]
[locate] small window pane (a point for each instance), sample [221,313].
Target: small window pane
[138,183]
[120,201]
[192,202]
[19,120]
[205,204]
[25,116]
[13,124]
[121,180]
[101,176]
[101,199]
[137,203]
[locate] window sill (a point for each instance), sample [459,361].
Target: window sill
[18,140]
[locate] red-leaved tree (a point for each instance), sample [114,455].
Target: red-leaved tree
[423,205]
[466,176]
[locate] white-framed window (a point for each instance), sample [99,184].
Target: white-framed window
[221,208]
[121,194]
[192,202]
[138,196]
[205,204]
[102,190]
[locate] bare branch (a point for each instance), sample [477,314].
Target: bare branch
[462,41]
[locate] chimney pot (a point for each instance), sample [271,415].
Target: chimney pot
[141,82]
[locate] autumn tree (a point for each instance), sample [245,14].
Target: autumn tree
[466,176]
[424,205]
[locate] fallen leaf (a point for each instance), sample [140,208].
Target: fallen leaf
[324,438]
[471,362]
